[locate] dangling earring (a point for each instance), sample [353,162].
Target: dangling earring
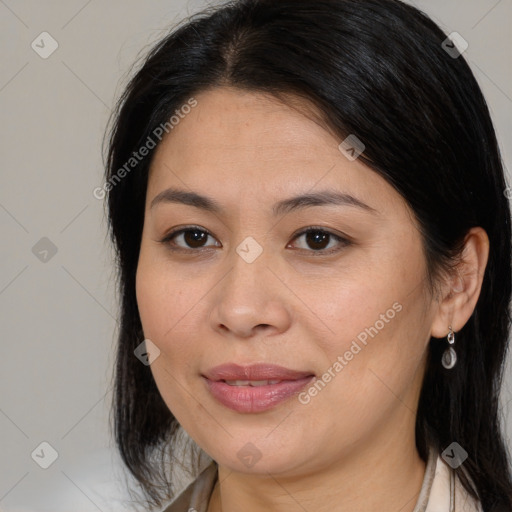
[449,357]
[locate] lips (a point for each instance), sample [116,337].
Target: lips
[253,383]
[255,388]
[256,372]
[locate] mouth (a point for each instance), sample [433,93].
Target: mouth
[254,383]
[255,388]
[232,372]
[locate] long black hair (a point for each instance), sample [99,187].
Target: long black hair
[382,71]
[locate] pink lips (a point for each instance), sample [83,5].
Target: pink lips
[251,399]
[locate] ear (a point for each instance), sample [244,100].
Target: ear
[461,290]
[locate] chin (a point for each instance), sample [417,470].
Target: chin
[260,459]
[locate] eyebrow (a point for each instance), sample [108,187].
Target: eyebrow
[321,198]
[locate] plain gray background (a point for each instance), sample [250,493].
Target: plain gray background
[58,310]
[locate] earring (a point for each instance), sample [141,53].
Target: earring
[449,357]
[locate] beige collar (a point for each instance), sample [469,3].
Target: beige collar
[442,491]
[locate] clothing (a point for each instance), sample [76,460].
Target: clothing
[441,491]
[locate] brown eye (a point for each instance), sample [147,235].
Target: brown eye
[192,238]
[318,240]
[195,238]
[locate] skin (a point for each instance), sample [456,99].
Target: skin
[294,307]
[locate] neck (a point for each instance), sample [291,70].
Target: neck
[387,474]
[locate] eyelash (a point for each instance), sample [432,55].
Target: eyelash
[322,252]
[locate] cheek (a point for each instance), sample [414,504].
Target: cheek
[161,299]
[163,315]
[359,306]
[372,332]
[149,293]
[169,305]
[366,284]
[375,366]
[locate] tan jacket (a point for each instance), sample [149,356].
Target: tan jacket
[441,491]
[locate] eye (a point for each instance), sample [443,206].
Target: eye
[318,239]
[193,236]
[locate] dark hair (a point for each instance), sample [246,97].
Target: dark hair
[376,69]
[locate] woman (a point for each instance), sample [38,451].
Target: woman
[313,237]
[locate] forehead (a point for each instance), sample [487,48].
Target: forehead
[233,123]
[244,145]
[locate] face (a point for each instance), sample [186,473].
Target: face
[341,311]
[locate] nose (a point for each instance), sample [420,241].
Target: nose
[251,299]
